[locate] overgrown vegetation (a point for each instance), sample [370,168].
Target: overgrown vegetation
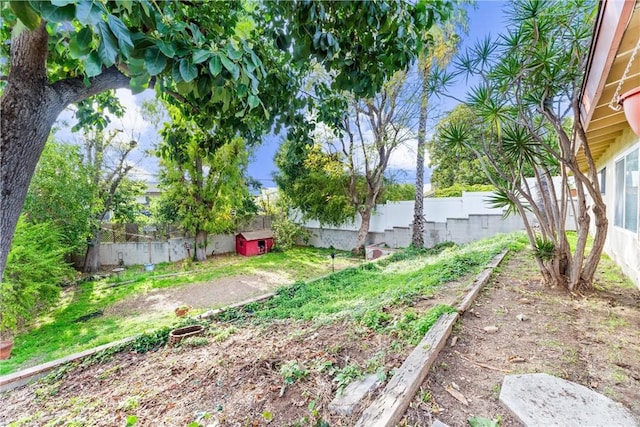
[375,295]
[367,293]
[34,274]
[80,320]
[456,190]
[286,233]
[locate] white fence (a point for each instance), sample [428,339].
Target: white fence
[456,219]
[400,214]
[135,253]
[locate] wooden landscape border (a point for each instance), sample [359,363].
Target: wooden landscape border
[388,408]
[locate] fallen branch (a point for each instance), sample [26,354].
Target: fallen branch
[482,365]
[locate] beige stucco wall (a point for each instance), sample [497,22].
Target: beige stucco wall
[622,245]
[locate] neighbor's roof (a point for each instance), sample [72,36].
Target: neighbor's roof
[256,235]
[615,35]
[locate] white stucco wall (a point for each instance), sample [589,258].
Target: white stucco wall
[134,253]
[458,230]
[623,246]
[400,214]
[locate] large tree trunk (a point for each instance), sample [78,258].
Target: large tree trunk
[363,232]
[201,245]
[28,108]
[92,259]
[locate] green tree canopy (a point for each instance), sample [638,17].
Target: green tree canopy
[236,64]
[456,164]
[342,173]
[204,191]
[61,193]
[397,192]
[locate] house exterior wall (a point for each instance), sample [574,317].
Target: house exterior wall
[623,246]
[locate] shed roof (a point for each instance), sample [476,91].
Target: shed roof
[257,235]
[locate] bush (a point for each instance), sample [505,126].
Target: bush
[35,270]
[287,232]
[456,189]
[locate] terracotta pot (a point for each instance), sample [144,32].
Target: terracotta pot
[179,334]
[630,102]
[5,349]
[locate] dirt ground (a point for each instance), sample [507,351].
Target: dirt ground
[204,295]
[593,340]
[238,376]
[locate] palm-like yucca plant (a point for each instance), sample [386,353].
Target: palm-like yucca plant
[526,100]
[503,199]
[544,249]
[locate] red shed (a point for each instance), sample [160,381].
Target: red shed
[254,242]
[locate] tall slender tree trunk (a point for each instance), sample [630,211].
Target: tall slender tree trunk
[417,238]
[201,245]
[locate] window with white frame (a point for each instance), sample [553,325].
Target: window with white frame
[626,192]
[602,177]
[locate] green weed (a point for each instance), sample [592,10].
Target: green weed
[483,422]
[221,335]
[129,404]
[346,375]
[292,371]
[193,342]
[412,327]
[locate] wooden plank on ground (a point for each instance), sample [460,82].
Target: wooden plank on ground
[479,282]
[11,381]
[390,406]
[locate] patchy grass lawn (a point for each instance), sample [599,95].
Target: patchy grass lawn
[278,362]
[85,318]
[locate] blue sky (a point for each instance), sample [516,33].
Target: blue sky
[485,19]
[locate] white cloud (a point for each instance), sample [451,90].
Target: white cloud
[132,124]
[404,156]
[132,121]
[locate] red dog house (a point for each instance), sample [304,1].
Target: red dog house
[254,242]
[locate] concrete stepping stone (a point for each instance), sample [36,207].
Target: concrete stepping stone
[348,401]
[545,400]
